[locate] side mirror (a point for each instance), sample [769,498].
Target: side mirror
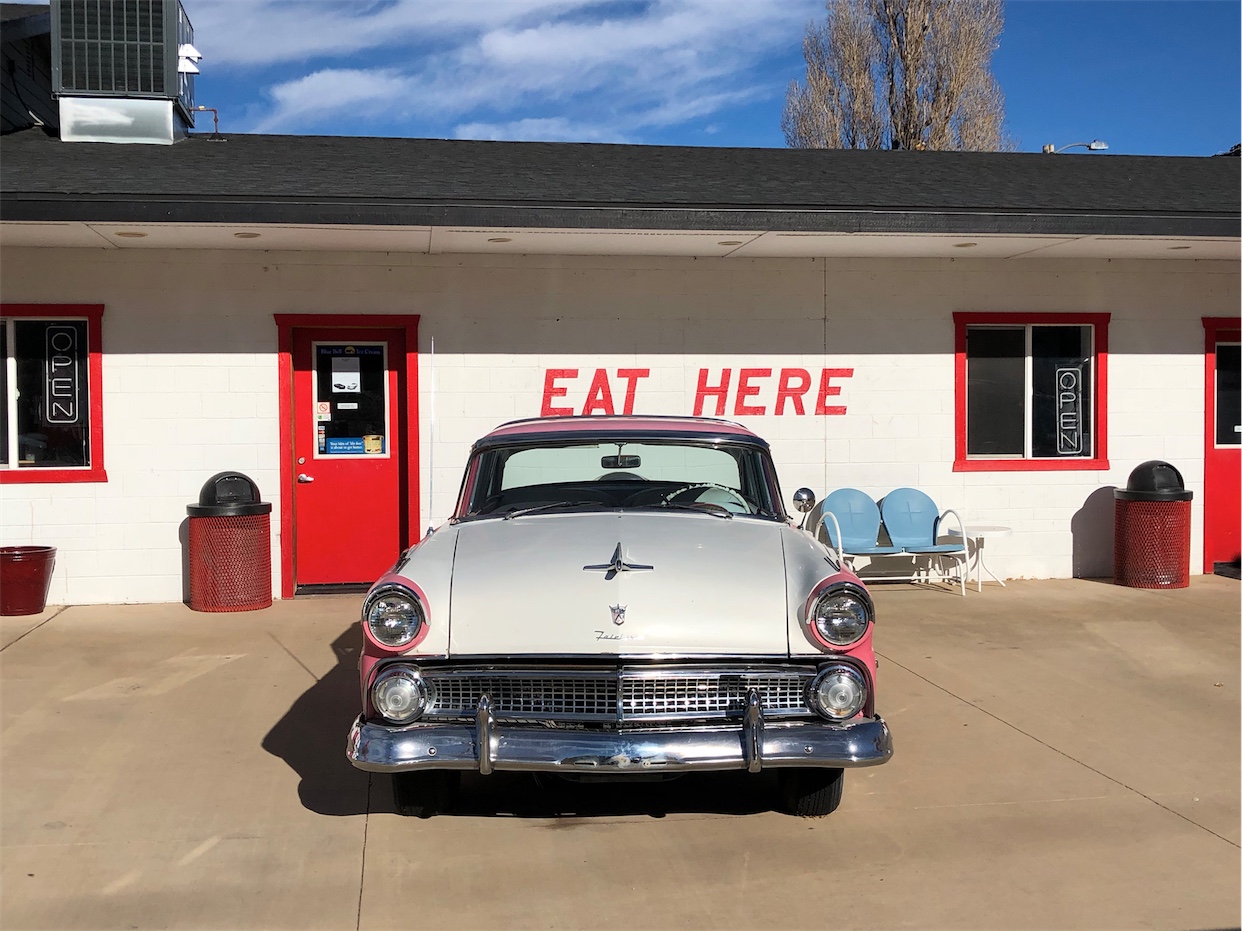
[803,501]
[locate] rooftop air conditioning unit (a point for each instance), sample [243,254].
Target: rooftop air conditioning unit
[123,70]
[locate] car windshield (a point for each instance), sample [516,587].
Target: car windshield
[723,479]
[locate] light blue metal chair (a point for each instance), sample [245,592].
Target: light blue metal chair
[913,523]
[852,522]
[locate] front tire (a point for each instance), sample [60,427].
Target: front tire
[811,793]
[422,795]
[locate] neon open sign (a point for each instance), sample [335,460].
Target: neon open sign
[1069,411]
[62,375]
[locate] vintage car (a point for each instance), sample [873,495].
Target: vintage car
[619,596]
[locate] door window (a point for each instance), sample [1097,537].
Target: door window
[1228,395]
[351,400]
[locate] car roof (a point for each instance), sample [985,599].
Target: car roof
[552,429]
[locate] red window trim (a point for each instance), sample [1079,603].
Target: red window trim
[93,314]
[1100,371]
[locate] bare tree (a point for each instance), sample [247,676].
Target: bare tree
[900,74]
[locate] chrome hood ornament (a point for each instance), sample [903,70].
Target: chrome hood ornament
[618,613]
[618,564]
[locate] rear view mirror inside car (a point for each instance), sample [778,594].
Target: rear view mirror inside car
[620,462]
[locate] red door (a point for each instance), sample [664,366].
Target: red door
[349,479]
[1222,455]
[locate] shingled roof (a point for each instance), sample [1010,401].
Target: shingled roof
[418,182]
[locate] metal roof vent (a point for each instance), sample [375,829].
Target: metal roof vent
[123,70]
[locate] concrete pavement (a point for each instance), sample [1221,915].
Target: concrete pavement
[1067,756]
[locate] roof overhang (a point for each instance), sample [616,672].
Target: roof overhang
[702,243]
[96,209]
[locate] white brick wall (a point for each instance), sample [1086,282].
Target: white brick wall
[190,376]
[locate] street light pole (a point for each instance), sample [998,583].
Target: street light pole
[1095,146]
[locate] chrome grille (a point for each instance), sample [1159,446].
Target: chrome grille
[664,697]
[531,695]
[622,696]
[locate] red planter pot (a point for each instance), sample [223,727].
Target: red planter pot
[25,576]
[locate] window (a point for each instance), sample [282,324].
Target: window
[51,423]
[351,400]
[1228,394]
[1031,391]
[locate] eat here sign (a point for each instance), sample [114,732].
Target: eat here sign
[742,392]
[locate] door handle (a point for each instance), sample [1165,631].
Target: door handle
[304,478]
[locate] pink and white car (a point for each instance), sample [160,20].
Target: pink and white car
[619,597]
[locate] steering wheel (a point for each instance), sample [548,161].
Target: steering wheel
[710,494]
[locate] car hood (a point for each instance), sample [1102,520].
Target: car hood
[714,586]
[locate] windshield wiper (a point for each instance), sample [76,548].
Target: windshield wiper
[702,507]
[555,505]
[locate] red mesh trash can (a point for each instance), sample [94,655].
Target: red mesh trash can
[230,546]
[1151,530]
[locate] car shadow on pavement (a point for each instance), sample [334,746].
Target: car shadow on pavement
[310,738]
[311,735]
[525,796]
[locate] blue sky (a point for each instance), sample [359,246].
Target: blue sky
[1156,77]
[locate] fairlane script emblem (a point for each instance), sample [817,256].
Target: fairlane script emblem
[618,564]
[618,613]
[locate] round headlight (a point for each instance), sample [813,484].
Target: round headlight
[399,694]
[841,617]
[838,693]
[394,616]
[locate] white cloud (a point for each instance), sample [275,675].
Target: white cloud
[334,91]
[547,69]
[267,32]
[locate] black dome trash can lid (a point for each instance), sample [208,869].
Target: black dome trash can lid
[1154,480]
[228,494]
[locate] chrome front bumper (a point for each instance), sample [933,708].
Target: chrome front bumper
[484,746]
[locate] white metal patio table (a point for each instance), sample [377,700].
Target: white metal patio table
[978,533]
